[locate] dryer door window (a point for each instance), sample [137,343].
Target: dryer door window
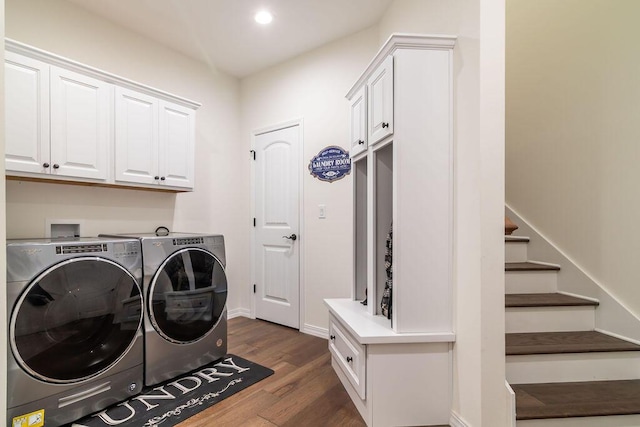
[188,294]
[76,319]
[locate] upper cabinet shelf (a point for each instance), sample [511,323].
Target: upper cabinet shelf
[66,121]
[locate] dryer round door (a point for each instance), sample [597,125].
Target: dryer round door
[76,319]
[187,295]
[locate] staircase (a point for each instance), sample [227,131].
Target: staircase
[564,373]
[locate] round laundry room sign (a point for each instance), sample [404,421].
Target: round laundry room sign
[330,164]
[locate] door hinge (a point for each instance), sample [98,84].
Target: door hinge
[253,153]
[254,222]
[254,288]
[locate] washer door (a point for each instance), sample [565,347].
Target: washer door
[76,320]
[188,294]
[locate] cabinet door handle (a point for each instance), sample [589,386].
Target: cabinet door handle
[56,166]
[332,337]
[156,177]
[162,178]
[45,165]
[349,359]
[385,125]
[360,142]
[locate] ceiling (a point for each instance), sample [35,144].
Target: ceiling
[223,34]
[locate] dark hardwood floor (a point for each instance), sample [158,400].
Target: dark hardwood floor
[303,391]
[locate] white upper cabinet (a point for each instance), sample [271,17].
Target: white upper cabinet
[71,122]
[154,141]
[136,146]
[380,101]
[80,119]
[358,121]
[26,93]
[177,145]
[57,120]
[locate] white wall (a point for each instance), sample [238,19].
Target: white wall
[312,87]
[3,258]
[219,203]
[572,132]
[479,394]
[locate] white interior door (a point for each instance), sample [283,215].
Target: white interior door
[277,241]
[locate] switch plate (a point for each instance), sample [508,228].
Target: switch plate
[322,211]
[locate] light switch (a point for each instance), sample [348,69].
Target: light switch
[322,211]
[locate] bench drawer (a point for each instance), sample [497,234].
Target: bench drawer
[349,355]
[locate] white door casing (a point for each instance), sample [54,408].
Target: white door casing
[277,221]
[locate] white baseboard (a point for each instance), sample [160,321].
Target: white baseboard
[315,331]
[511,403]
[238,312]
[457,421]
[306,328]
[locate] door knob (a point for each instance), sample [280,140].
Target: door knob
[292,237]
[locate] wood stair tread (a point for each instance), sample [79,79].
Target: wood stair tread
[564,342]
[577,399]
[529,266]
[546,300]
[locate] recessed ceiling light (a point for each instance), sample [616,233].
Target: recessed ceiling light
[263,17]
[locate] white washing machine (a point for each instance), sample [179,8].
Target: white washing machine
[75,336]
[185,289]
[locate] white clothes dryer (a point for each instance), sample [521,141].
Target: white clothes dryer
[75,316]
[185,289]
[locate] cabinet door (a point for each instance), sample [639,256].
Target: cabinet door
[136,146]
[80,132]
[26,114]
[177,137]
[359,122]
[380,102]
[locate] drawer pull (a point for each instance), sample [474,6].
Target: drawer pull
[332,337]
[349,359]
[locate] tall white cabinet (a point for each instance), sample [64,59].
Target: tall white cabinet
[398,371]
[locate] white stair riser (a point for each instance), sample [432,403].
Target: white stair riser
[553,368]
[530,282]
[613,421]
[550,319]
[515,252]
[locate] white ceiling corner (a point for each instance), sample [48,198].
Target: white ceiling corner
[223,33]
